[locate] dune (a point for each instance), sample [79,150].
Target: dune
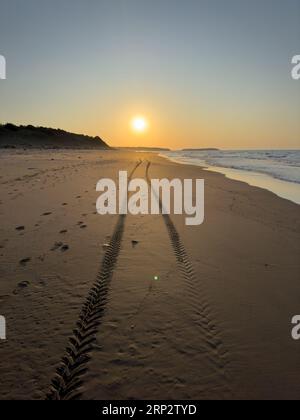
[30,137]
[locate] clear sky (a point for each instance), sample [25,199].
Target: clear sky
[205,73]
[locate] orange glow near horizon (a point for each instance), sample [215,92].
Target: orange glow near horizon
[156,123]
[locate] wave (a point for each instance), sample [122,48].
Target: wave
[279,164]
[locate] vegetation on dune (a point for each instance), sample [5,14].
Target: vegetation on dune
[13,136]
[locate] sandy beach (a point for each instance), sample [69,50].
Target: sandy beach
[143,307]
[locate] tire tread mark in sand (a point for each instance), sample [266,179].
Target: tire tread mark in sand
[203,320]
[66,385]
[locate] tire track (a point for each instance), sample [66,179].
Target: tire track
[216,352]
[66,384]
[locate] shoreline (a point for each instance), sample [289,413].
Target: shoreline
[283,189]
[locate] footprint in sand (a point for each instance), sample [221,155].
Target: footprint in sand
[56,246]
[21,286]
[62,232]
[25,261]
[47,213]
[20,228]
[61,246]
[82,225]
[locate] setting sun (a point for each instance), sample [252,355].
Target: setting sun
[139,124]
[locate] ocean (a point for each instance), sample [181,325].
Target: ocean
[274,170]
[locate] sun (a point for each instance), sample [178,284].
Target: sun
[139,124]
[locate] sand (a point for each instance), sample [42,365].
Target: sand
[174,312]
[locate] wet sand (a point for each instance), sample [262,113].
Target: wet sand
[214,324]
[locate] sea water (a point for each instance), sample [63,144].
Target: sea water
[275,170]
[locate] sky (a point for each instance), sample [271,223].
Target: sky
[204,73]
